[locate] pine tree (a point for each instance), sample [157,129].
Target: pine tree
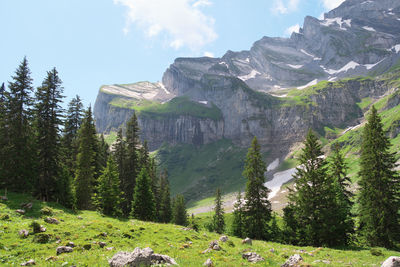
[179,213]
[155,187]
[107,199]
[218,218]
[103,151]
[131,166]
[86,163]
[341,183]
[3,135]
[48,113]
[257,210]
[20,164]
[379,197]
[119,153]
[165,199]
[313,205]
[237,224]
[143,204]
[193,223]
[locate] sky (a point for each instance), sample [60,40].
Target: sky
[97,42]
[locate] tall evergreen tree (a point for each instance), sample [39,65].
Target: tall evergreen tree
[155,187]
[218,218]
[143,204]
[119,153]
[313,205]
[86,163]
[257,211]
[48,113]
[179,213]
[237,223]
[3,135]
[131,165]
[21,150]
[379,198]
[165,199]
[107,199]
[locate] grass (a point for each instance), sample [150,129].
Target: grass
[110,138]
[125,235]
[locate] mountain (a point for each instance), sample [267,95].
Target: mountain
[276,91]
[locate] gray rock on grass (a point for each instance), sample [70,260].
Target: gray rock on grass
[392,261]
[140,257]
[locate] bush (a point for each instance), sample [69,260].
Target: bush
[230,243]
[35,227]
[47,211]
[376,252]
[4,217]
[41,238]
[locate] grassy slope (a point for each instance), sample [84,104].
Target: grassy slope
[125,235]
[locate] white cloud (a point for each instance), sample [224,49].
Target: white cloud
[285,6]
[331,4]
[291,29]
[181,22]
[208,54]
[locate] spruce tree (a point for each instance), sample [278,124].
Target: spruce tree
[237,223]
[20,161]
[218,218]
[257,211]
[3,135]
[193,223]
[48,114]
[107,199]
[165,199]
[379,197]
[179,213]
[86,163]
[313,206]
[143,204]
[119,153]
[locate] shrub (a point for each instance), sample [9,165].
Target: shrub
[376,252]
[41,238]
[35,227]
[47,211]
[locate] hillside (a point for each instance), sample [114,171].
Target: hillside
[87,228]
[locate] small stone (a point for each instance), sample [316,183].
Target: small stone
[293,261]
[212,244]
[70,244]
[51,258]
[23,233]
[22,212]
[28,263]
[216,247]
[58,241]
[52,220]
[392,261]
[208,263]
[223,238]
[109,248]
[64,249]
[104,234]
[42,229]
[190,243]
[206,251]
[247,241]
[79,217]
[252,257]
[102,244]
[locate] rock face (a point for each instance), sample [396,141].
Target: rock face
[140,257]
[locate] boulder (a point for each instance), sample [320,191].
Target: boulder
[22,212]
[28,263]
[52,220]
[208,263]
[293,261]
[223,238]
[102,244]
[392,261]
[23,233]
[64,249]
[247,241]
[252,257]
[213,243]
[140,257]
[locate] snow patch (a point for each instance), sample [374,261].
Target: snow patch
[339,21]
[370,66]
[247,60]
[351,128]
[345,68]
[278,180]
[308,54]
[369,29]
[224,63]
[203,102]
[314,82]
[273,165]
[163,87]
[295,66]
[249,76]
[332,79]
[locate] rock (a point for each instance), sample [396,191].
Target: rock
[109,248]
[70,244]
[247,241]
[102,244]
[186,229]
[223,238]
[322,261]
[208,263]
[28,263]
[392,261]
[58,241]
[42,229]
[51,258]
[190,243]
[64,249]
[27,206]
[213,243]
[22,212]
[103,234]
[87,246]
[79,218]
[23,233]
[216,247]
[140,257]
[293,261]
[252,257]
[52,220]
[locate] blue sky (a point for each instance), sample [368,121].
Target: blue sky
[95,42]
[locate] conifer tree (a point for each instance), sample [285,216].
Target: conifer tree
[119,153]
[143,204]
[20,164]
[218,218]
[107,199]
[86,163]
[379,197]
[165,199]
[179,213]
[313,206]
[257,210]
[3,135]
[237,224]
[48,113]
[193,223]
